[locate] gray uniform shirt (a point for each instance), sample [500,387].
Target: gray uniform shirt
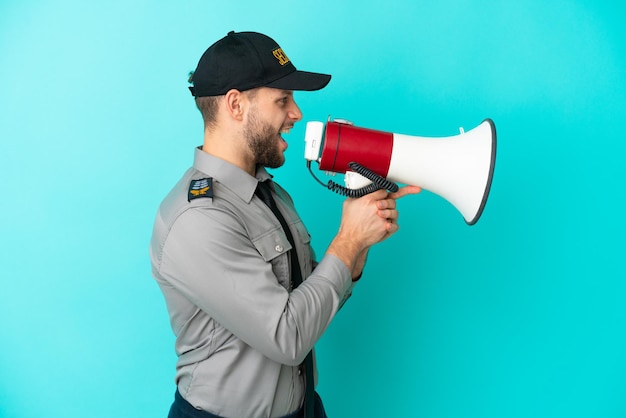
[222,264]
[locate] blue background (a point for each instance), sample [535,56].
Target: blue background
[521,315]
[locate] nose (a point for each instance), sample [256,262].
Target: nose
[294,111]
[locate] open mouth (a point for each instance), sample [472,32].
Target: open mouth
[284,131]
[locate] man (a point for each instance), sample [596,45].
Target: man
[230,260]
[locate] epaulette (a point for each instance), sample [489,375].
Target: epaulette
[200,188]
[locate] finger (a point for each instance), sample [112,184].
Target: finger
[406,190]
[378,194]
[386,204]
[391,215]
[392,227]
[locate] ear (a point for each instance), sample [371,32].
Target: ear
[235,103]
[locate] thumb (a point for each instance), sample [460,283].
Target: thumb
[406,190]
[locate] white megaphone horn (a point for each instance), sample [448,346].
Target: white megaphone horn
[458,168]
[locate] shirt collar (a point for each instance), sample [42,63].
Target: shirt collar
[231,176]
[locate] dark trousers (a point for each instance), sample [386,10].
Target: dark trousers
[183,409]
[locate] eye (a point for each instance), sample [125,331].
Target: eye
[284,98]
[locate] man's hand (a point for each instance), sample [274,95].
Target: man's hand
[387,207]
[366,221]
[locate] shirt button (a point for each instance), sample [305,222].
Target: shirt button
[279,248]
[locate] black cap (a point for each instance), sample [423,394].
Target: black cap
[246,60]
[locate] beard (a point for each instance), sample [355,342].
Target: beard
[263,140]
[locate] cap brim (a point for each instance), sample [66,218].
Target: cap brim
[301,80]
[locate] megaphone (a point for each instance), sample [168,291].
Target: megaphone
[458,168]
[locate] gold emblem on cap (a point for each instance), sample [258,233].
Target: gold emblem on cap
[280,55]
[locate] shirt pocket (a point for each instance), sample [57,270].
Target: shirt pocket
[274,248]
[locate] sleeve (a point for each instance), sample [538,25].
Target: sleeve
[209,258]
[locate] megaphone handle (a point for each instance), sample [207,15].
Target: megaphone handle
[378,182]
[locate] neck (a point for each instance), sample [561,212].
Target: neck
[230,148]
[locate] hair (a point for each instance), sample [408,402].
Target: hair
[208,106]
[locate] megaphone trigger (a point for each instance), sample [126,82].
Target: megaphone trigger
[359,182]
[365,173]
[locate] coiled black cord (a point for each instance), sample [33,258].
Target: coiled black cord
[378,182]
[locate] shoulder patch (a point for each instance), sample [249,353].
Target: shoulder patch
[200,188]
